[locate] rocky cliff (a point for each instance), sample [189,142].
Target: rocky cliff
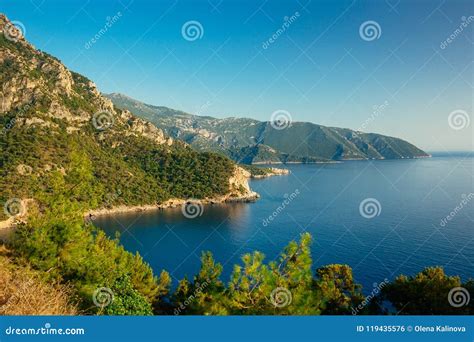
[31,77]
[60,137]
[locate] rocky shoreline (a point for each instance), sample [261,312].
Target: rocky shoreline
[335,161]
[239,191]
[171,203]
[273,171]
[7,226]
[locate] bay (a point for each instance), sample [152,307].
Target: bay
[383,218]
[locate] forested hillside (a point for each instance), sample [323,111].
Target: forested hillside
[64,150]
[251,141]
[55,124]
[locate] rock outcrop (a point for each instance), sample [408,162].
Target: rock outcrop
[240,188]
[272,171]
[38,78]
[58,120]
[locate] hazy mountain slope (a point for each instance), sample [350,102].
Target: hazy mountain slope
[251,141]
[58,132]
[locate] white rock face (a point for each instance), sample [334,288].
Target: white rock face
[40,78]
[239,186]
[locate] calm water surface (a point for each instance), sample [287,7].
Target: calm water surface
[324,199]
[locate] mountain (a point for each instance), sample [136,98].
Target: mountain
[58,133]
[251,141]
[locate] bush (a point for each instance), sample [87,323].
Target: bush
[126,300]
[427,293]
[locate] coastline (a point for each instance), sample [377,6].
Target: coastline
[239,191]
[7,226]
[272,172]
[296,162]
[171,203]
[337,161]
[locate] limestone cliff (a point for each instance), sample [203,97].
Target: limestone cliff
[60,138]
[33,77]
[239,186]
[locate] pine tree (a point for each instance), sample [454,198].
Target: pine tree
[337,287]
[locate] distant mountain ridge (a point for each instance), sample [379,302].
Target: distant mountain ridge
[251,141]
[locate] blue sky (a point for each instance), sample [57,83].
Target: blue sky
[318,68]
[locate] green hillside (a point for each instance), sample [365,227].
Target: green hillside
[251,141]
[64,150]
[50,123]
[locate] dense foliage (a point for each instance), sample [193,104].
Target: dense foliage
[68,250]
[288,286]
[256,170]
[180,171]
[137,172]
[54,158]
[428,292]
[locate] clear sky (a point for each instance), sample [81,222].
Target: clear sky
[400,82]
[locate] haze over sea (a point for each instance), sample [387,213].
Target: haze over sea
[407,232]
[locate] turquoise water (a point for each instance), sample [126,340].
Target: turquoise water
[409,230]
